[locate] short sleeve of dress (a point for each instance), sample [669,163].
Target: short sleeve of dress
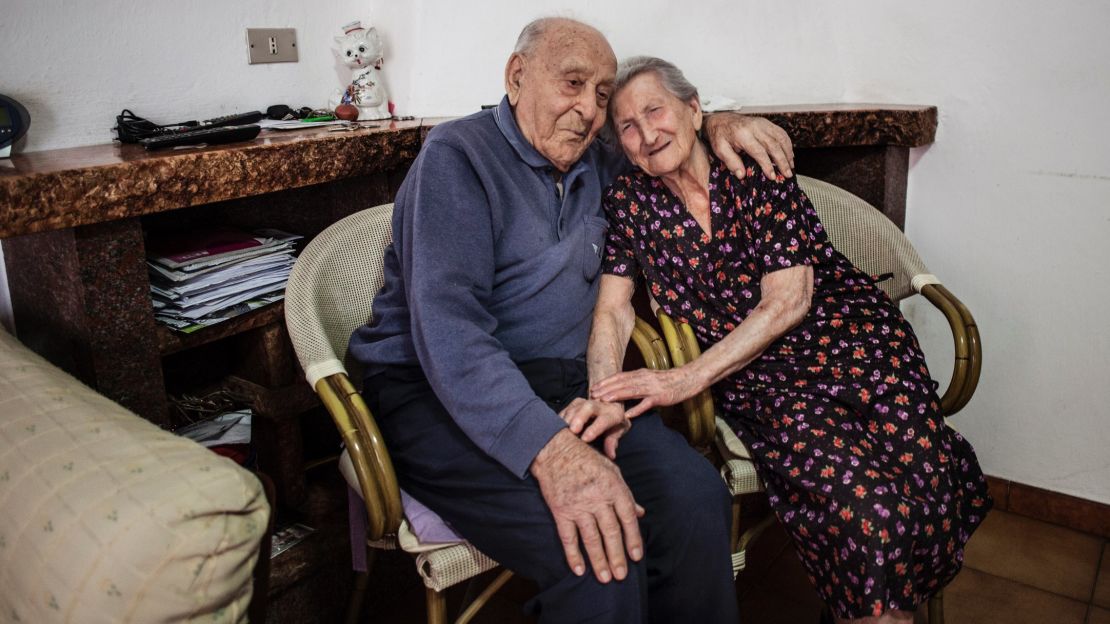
[620,254]
[787,230]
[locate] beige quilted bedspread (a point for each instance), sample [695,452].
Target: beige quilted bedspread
[106,518]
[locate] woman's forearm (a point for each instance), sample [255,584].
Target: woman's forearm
[786,299]
[608,342]
[613,321]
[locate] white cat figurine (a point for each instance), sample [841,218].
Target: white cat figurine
[361,49]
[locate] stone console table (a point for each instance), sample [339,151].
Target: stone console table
[73,222]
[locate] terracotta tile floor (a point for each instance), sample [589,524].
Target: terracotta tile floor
[1017,571]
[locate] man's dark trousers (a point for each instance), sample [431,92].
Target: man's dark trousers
[686,574]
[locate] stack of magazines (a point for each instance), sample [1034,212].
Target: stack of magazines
[203,277]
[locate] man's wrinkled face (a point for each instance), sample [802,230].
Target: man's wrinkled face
[560,90]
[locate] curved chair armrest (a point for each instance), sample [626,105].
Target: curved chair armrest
[683,346]
[651,345]
[968,350]
[368,453]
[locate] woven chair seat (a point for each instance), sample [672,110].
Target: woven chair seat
[738,468]
[443,567]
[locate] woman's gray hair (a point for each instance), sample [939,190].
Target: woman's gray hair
[672,77]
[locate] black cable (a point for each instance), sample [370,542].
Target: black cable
[130,127]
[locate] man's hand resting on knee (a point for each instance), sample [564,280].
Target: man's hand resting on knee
[589,500]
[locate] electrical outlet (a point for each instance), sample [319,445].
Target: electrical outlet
[271,45]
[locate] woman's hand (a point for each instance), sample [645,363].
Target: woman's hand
[656,388]
[590,419]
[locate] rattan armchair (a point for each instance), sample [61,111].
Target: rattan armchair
[874,244]
[330,293]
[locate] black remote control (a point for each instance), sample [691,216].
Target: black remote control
[210,136]
[235,119]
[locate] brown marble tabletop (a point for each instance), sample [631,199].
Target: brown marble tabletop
[54,189]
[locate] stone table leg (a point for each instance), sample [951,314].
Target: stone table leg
[81,298]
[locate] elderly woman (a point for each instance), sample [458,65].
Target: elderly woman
[811,363]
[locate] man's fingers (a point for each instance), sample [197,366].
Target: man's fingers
[787,146]
[614,545]
[729,157]
[595,550]
[629,513]
[577,414]
[783,161]
[611,442]
[598,428]
[577,421]
[759,153]
[568,536]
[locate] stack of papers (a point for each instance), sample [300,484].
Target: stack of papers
[207,276]
[228,428]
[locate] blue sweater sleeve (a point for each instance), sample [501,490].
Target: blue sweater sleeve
[448,257]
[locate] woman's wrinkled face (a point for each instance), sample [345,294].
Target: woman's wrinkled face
[657,130]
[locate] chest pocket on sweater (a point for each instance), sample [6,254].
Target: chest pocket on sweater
[593,246]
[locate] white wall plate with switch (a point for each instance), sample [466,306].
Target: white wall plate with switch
[271,45]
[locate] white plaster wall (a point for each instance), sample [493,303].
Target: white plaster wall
[1008,206]
[76,65]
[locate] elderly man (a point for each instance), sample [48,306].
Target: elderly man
[476,354]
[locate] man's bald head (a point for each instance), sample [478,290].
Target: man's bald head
[531,34]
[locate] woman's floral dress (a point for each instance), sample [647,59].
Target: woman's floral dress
[840,413]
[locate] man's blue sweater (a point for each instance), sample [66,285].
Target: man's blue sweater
[489,268]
